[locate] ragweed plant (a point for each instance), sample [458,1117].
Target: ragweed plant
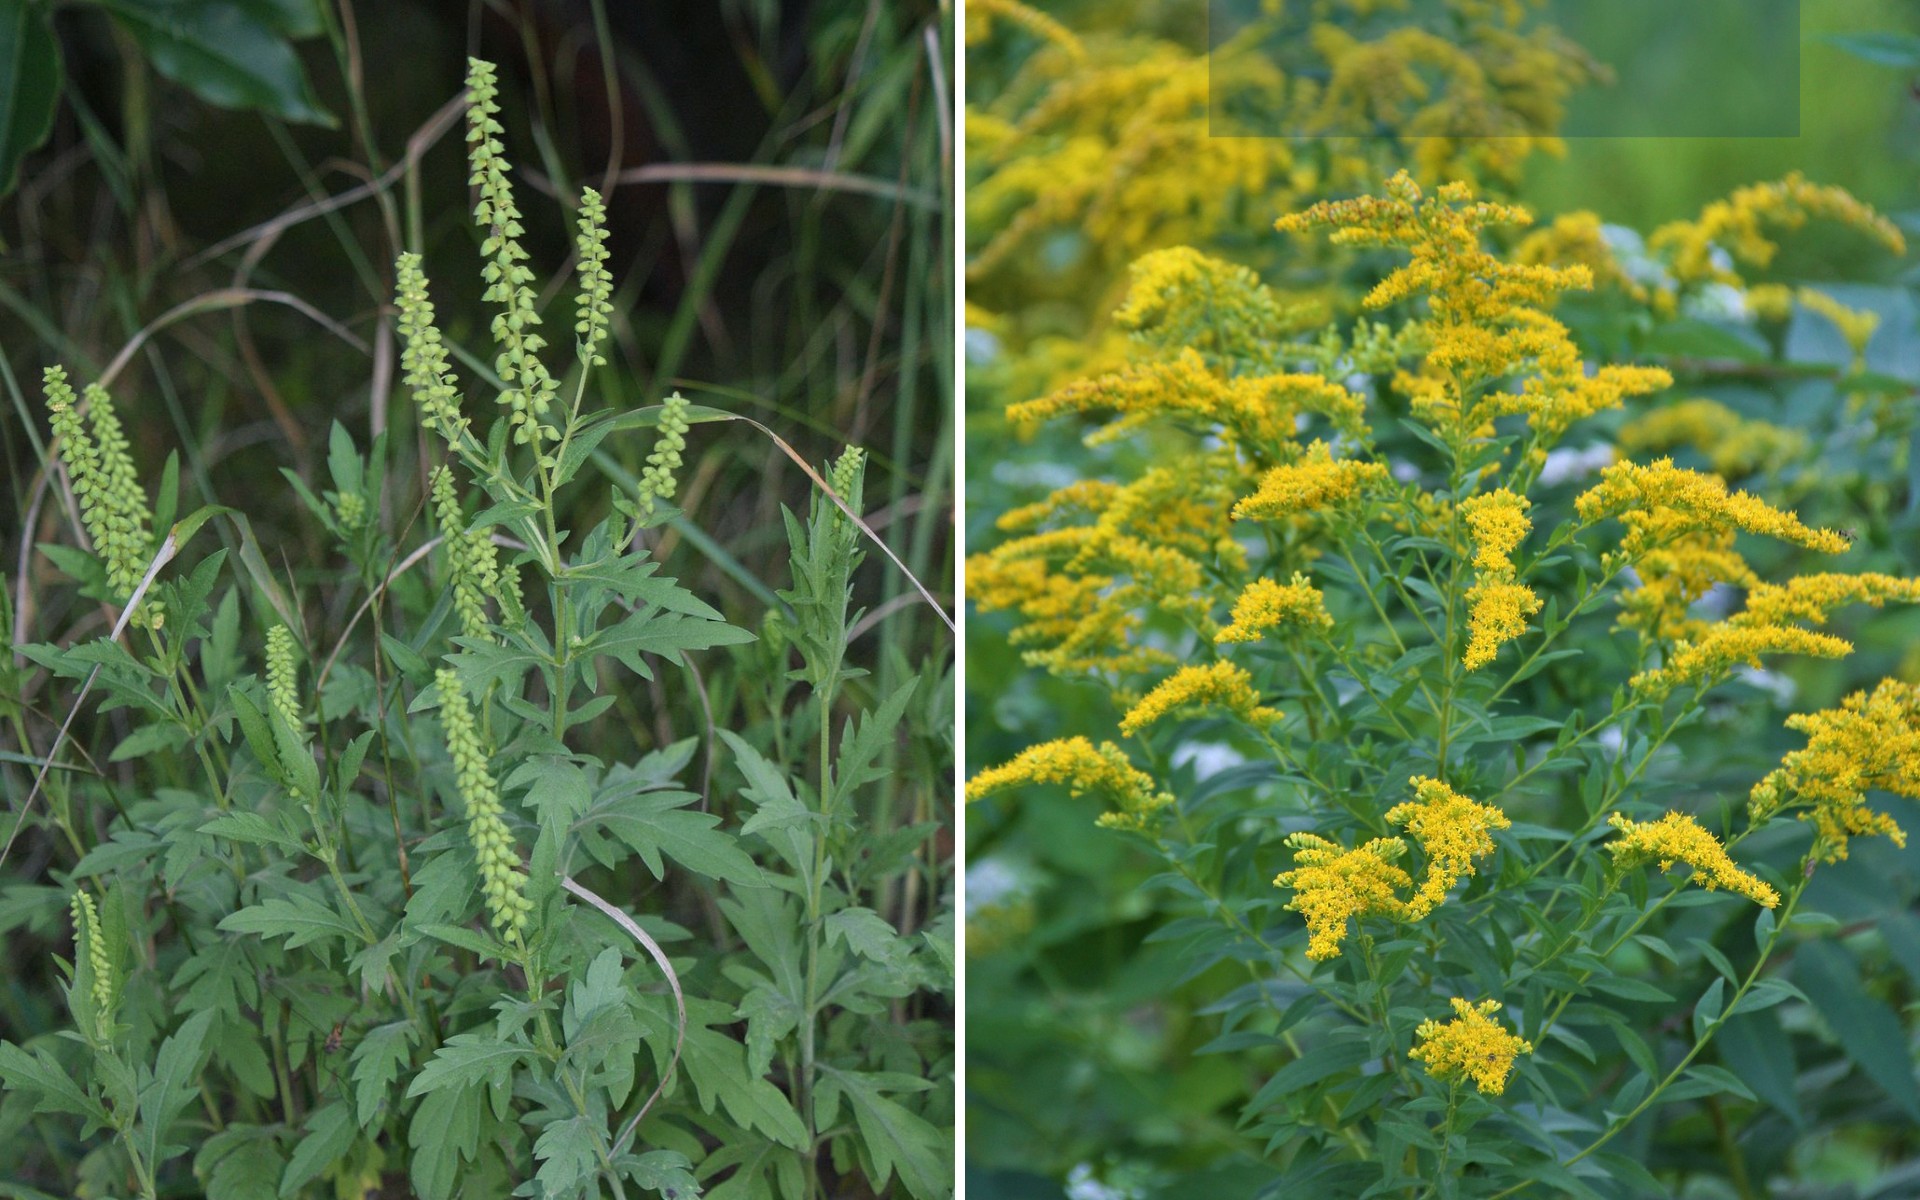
[464,861]
[1397,707]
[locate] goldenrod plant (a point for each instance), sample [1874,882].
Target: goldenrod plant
[477,855]
[1434,865]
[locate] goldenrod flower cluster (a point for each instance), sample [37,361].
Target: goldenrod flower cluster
[1265,606]
[1677,837]
[1487,316]
[1314,483]
[502,881]
[88,940]
[283,677]
[530,389]
[1180,299]
[1217,685]
[1579,238]
[1659,501]
[1498,605]
[1076,763]
[657,479]
[1259,412]
[1734,445]
[1452,831]
[1719,648]
[113,506]
[1332,885]
[1471,1046]
[1812,598]
[1737,225]
[1870,743]
[423,356]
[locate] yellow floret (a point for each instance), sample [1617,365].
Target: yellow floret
[1720,648]
[1498,522]
[1217,685]
[1452,831]
[1266,605]
[1660,500]
[1076,763]
[1870,743]
[1472,1046]
[1677,837]
[1498,615]
[1332,885]
[1317,481]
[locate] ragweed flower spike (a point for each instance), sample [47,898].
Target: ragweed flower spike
[1082,768]
[1677,837]
[1218,685]
[88,940]
[530,390]
[1452,831]
[423,356]
[1471,1046]
[657,478]
[283,677]
[113,506]
[1870,743]
[1332,885]
[471,560]
[596,282]
[502,880]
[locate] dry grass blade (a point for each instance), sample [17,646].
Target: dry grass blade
[659,957]
[161,557]
[794,177]
[215,301]
[825,487]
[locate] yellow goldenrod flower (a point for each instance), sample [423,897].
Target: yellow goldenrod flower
[1677,837]
[1660,499]
[1260,411]
[1578,238]
[1332,884]
[1217,685]
[1681,570]
[1498,615]
[1735,225]
[1317,481]
[1812,598]
[1471,1046]
[1856,325]
[1733,445]
[1498,523]
[1870,743]
[1266,605]
[1704,661]
[1452,831]
[1076,763]
[502,880]
[980,18]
